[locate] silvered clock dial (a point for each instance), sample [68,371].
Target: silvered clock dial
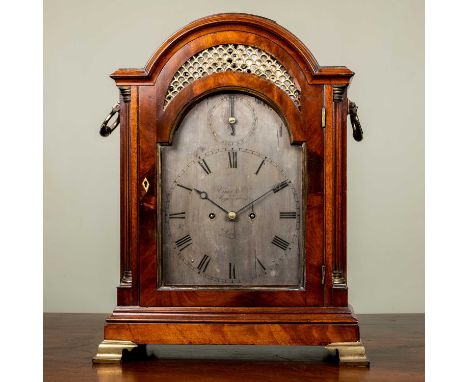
[231,203]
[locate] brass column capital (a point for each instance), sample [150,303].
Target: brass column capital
[338,92]
[126,92]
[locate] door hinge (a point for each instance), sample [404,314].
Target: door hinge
[323,117]
[323,274]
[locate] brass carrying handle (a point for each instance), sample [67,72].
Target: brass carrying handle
[107,130]
[355,123]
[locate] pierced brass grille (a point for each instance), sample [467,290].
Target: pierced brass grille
[236,58]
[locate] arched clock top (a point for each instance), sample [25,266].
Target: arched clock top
[257,31]
[235,58]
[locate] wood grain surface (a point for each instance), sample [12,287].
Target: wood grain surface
[394,343]
[149,121]
[315,118]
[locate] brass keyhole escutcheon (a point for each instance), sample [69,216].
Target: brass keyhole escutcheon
[145,184]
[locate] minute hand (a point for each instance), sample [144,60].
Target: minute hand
[274,189]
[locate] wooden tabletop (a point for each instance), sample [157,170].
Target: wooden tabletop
[394,343]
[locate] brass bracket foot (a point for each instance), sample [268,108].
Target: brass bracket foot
[349,353]
[110,351]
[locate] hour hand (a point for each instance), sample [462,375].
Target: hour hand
[204,195]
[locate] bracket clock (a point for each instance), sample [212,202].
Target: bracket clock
[233,194]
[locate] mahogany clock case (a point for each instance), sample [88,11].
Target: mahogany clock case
[313,105]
